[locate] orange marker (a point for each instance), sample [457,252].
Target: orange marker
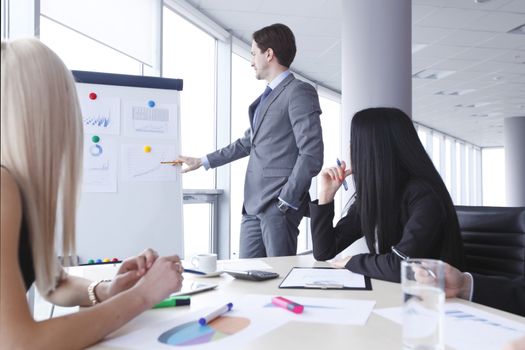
[174,162]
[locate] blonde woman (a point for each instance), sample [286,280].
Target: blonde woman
[41,154]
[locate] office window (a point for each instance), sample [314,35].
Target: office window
[128,26]
[422,133]
[448,164]
[477,177]
[458,173]
[331,124]
[458,163]
[79,52]
[436,150]
[4,19]
[493,174]
[196,232]
[245,89]
[189,54]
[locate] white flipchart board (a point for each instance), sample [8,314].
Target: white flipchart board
[129,201]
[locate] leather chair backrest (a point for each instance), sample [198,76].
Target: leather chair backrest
[494,239]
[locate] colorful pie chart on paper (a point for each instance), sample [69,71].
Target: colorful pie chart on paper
[192,333]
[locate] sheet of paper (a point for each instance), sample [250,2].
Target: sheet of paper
[316,310]
[100,164]
[231,331]
[469,328]
[141,166]
[101,115]
[251,317]
[242,265]
[300,277]
[141,120]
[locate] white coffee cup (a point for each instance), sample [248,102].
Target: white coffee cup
[206,263]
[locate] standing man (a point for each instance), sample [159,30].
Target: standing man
[285,146]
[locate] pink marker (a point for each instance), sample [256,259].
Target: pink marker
[288,305]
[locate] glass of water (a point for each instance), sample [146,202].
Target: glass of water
[423,284]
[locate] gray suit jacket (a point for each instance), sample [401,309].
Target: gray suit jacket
[285,148]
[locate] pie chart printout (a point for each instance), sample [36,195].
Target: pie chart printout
[192,333]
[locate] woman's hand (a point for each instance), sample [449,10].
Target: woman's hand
[162,279]
[340,263]
[331,180]
[129,272]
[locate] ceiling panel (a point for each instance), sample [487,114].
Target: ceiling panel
[497,22]
[428,35]
[462,37]
[451,18]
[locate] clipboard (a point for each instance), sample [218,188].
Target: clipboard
[324,278]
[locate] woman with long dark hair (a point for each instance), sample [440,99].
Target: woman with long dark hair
[402,206]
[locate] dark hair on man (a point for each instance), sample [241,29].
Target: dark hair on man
[280,39]
[385,154]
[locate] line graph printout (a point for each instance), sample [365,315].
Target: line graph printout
[100,165]
[159,121]
[141,166]
[101,116]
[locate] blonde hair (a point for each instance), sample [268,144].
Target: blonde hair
[41,146]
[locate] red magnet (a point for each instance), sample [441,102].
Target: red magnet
[92,96]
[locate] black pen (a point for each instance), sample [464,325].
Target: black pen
[405,257]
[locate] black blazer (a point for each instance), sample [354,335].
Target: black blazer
[424,225]
[500,292]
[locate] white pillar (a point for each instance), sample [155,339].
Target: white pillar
[376,58]
[514,143]
[376,62]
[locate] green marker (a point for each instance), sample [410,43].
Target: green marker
[173,301]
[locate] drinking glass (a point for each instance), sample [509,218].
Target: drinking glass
[423,285]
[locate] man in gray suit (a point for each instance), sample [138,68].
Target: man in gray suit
[285,147]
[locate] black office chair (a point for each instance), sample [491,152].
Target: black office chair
[494,239]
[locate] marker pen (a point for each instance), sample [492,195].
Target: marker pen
[173,301]
[345,185]
[214,314]
[288,305]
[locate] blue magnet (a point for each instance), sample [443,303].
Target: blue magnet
[151,103]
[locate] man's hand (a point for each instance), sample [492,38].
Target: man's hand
[191,163]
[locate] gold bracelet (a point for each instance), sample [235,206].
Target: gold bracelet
[91,291]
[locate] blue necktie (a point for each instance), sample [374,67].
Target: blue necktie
[261,101]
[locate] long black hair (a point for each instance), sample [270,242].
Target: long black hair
[385,153]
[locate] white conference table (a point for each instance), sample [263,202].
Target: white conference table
[378,333]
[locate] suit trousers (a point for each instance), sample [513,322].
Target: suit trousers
[271,233]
